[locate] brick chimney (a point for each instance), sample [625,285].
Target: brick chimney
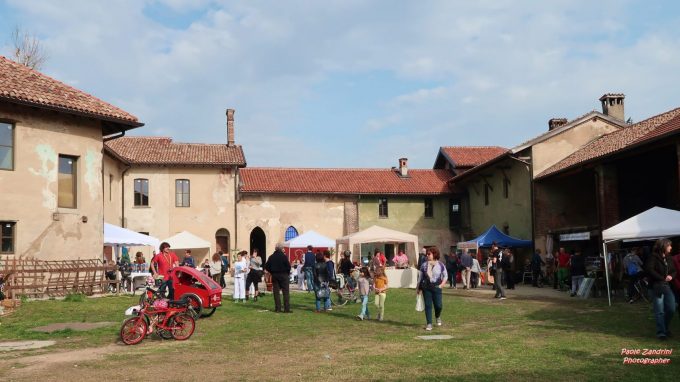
[554,123]
[403,167]
[230,127]
[612,105]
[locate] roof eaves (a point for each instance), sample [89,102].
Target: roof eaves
[574,122]
[480,167]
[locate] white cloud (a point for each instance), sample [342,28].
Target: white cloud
[489,72]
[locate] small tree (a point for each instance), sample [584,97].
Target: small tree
[28,50]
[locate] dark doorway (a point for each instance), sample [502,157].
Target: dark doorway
[454,213]
[258,241]
[222,241]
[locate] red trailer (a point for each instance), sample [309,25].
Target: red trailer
[204,294]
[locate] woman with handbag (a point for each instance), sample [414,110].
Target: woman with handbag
[432,278]
[321,289]
[661,271]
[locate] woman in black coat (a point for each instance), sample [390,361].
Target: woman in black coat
[660,272]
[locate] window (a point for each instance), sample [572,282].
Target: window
[110,187]
[429,208]
[291,233]
[382,207]
[141,192]
[7,237]
[506,187]
[182,193]
[68,181]
[6,146]
[486,194]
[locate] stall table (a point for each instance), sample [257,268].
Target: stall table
[401,278]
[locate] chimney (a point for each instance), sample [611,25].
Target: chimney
[230,127]
[554,123]
[612,105]
[403,167]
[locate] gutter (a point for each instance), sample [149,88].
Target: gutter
[122,195]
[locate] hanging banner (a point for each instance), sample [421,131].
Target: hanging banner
[575,236]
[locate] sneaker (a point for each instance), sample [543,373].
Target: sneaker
[502,298]
[439,322]
[329,309]
[428,327]
[359,318]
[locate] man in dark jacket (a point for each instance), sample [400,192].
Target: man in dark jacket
[279,267]
[536,263]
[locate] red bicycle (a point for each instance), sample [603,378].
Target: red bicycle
[169,319]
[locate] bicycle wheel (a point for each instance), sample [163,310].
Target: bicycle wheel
[183,326]
[208,312]
[340,297]
[133,330]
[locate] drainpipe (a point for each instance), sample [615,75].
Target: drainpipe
[122,195]
[530,167]
[236,199]
[111,137]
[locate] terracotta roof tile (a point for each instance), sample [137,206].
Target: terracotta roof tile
[471,156]
[344,181]
[21,84]
[619,140]
[162,151]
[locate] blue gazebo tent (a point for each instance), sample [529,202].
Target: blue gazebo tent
[494,235]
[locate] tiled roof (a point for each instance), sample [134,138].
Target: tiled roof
[620,140]
[344,181]
[162,151]
[470,156]
[20,84]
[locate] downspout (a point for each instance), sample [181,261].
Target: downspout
[236,200]
[111,137]
[530,168]
[122,195]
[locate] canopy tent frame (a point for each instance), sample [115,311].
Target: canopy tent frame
[117,237]
[493,234]
[654,223]
[378,234]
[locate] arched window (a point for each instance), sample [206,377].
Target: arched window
[291,233]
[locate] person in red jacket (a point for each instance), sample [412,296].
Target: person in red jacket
[563,264]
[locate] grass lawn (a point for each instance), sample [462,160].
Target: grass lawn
[514,340]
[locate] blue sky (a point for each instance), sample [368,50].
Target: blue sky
[344,83]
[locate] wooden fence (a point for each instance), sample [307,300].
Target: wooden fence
[38,278]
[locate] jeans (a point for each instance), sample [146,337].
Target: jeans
[364,307]
[664,306]
[326,300]
[576,283]
[432,297]
[171,290]
[309,278]
[497,283]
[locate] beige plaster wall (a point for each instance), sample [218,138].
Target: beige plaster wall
[212,196]
[28,194]
[558,147]
[324,214]
[111,180]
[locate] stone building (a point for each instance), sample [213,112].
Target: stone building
[160,187]
[51,142]
[609,180]
[336,202]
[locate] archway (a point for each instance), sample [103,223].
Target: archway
[258,240]
[222,241]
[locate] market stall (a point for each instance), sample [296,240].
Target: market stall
[397,278]
[654,223]
[295,248]
[117,237]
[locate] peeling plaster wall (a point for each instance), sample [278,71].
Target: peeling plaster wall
[112,181]
[273,213]
[28,194]
[211,204]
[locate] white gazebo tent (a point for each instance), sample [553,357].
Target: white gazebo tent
[397,278]
[187,240]
[117,237]
[312,238]
[654,223]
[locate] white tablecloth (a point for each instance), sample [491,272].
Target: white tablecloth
[138,279]
[402,278]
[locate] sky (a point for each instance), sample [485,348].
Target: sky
[346,83]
